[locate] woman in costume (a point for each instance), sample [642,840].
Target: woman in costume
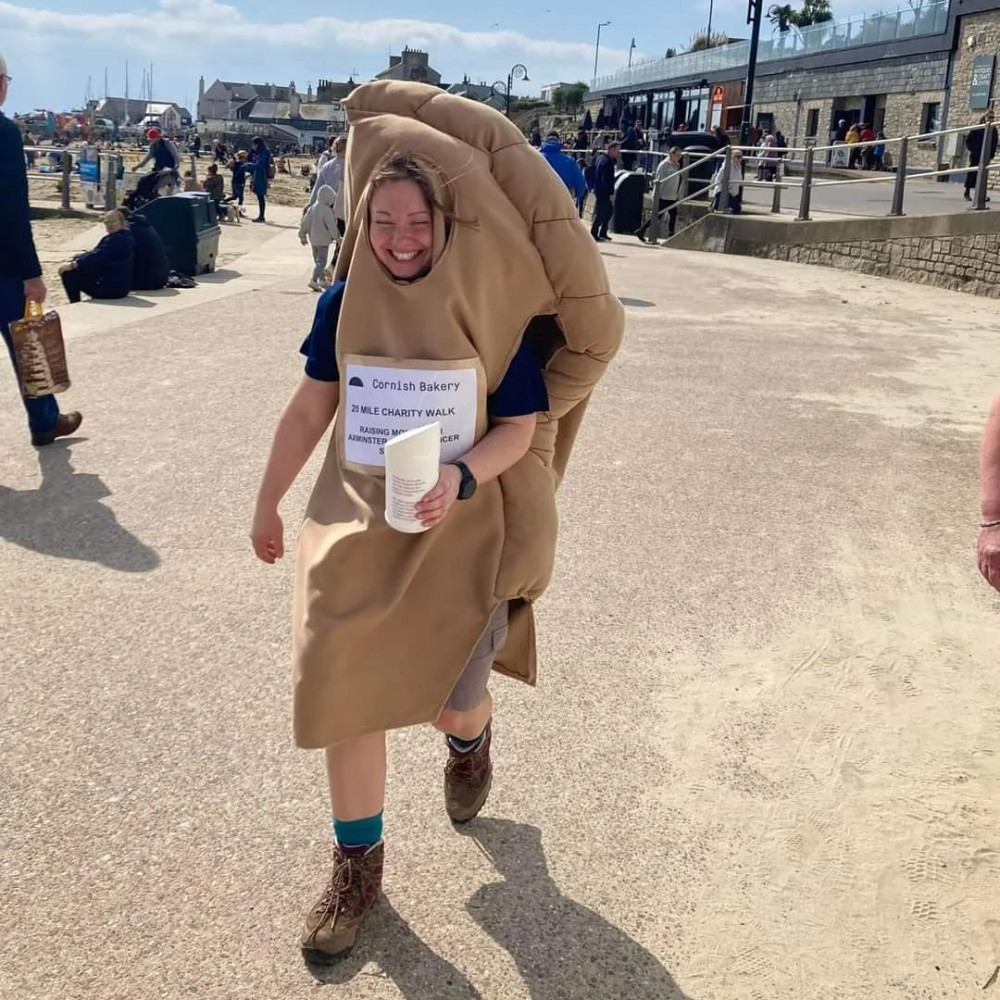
[467,292]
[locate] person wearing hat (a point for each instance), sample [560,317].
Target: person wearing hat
[162,152]
[20,273]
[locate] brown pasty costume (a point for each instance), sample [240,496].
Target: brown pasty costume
[385,621]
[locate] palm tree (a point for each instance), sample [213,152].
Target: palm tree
[782,16]
[814,12]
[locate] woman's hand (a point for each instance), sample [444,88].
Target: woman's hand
[988,555]
[267,534]
[434,506]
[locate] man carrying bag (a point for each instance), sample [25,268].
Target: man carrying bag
[20,273]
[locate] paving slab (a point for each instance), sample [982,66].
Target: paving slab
[762,758]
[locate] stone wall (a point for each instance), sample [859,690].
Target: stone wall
[959,251]
[904,114]
[962,263]
[788,113]
[984,30]
[886,76]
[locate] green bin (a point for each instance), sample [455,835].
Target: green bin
[187,225]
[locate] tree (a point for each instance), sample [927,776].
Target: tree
[782,16]
[814,12]
[559,99]
[670,53]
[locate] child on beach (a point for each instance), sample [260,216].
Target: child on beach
[319,228]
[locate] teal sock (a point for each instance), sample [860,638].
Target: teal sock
[358,832]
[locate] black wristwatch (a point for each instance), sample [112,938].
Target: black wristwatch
[468,484]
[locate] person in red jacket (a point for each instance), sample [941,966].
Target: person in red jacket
[868,154]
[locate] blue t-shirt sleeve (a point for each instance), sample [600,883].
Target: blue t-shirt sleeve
[522,390]
[320,347]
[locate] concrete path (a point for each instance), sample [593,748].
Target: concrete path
[762,760]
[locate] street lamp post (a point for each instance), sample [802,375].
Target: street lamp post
[517,72]
[711,10]
[755,14]
[597,49]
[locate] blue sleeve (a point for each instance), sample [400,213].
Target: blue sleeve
[320,347]
[522,390]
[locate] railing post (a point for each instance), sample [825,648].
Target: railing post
[981,174]
[900,185]
[110,185]
[807,180]
[654,222]
[194,167]
[66,161]
[724,180]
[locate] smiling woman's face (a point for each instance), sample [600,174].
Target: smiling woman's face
[401,229]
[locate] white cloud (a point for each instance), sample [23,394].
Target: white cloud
[205,24]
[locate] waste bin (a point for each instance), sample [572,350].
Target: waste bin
[187,225]
[630,189]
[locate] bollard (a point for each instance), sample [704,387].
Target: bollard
[194,167]
[776,197]
[724,181]
[66,162]
[807,180]
[900,185]
[654,222]
[979,205]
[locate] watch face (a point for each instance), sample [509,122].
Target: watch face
[468,485]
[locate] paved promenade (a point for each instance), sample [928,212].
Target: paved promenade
[763,759]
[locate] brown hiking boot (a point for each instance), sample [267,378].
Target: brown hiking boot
[333,923]
[65,425]
[467,780]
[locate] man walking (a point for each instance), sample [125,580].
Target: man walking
[564,165]
[604,192]
[20,273]
[981,142]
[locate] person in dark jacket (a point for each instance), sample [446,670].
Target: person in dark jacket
[20,272]
[982,139]
[604,191]
[630,143]
[261,166]
[150,266]
[239,168]
[106,271]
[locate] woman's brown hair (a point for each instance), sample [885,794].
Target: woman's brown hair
[397,166]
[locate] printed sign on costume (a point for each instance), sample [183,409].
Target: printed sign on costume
[383,402]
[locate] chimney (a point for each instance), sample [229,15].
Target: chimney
[201,88]
[294,102]
[309,93]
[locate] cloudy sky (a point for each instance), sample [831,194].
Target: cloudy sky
[52,46]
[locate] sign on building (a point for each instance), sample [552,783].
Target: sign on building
[982,82]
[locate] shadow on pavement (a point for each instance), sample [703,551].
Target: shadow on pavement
[65,518]
[219,276]
[561,948]
[417,972]
[636,303]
